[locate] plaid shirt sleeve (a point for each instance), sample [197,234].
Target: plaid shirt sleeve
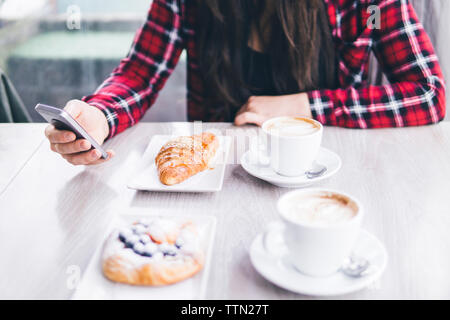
[416,94]
[134,85]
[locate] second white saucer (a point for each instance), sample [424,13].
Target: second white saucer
[278,269]
[326,157]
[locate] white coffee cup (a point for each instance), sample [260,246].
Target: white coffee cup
[291,150]
[317,246]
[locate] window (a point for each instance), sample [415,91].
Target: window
[57,50]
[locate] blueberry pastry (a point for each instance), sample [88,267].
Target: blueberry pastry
[154,252]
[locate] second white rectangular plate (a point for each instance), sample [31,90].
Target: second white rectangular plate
[94,286]
[147,179]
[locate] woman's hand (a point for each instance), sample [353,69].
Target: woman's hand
[78,152]
[259,109]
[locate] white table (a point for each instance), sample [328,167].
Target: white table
[53,215]
[17,145]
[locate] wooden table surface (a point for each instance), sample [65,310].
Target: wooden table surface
[53,215]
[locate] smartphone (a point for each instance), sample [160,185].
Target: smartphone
[64,121]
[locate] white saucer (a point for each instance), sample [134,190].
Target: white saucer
[278,269]
[326,157]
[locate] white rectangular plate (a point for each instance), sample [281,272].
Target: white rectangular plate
[147,179]
[94,286]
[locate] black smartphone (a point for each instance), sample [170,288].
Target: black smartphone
[64,121]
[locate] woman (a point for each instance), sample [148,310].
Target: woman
[252,60]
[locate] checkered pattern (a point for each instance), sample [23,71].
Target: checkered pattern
[416,95]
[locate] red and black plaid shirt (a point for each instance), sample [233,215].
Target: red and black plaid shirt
[415,96]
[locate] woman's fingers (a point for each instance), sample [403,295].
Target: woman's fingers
[247,114]
[83,157]
[59,136]
[87,158]
[249,117]
[77,152]
[71,147]
[110,153]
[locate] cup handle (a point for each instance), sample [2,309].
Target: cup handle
[273,227]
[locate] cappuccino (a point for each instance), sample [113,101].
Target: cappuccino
[292,144]
[319,208]
[292,127]
[320,228]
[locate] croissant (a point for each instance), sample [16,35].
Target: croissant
[183,157]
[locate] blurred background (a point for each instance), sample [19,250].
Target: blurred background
[57,50]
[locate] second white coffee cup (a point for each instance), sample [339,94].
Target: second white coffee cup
[317,236]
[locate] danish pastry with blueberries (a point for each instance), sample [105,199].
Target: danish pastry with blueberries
[152,253]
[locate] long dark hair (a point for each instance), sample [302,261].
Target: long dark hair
[299,35]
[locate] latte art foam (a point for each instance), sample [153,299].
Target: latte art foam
[292,127]
[319,209]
